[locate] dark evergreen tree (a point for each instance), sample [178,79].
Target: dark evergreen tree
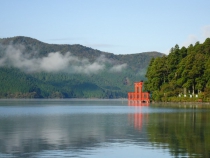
[184,71]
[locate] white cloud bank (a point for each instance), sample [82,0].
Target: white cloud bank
[118,68]
[206,31]
[54,62]
[192,39]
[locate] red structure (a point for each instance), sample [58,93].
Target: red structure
[138,96]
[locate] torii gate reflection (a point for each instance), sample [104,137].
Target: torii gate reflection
[137,117]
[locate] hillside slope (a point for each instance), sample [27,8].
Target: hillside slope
[32,69]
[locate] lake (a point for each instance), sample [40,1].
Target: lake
[40,128]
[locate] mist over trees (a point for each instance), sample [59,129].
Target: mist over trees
[183,75]
[32,69]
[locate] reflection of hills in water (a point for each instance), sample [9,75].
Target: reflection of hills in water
[77,132]
[185,132]
[182,105]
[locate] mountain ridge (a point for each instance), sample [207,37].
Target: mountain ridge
[82,73]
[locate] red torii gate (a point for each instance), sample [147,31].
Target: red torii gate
[138,96]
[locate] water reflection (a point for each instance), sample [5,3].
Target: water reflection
[75,133]
[137,103]
[138,117]
[89,131]
[184,133]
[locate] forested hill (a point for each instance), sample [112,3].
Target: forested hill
[183,75]
[32,69]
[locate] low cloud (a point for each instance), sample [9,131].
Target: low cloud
[192,39]
[206,31]
[15,56]
[118,68]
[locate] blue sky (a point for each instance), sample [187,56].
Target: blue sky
[115,26]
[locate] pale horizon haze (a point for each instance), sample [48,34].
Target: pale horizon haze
[115,26]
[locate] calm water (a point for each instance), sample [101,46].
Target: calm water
[102,129]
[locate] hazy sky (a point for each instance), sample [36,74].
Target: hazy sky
[116,26]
